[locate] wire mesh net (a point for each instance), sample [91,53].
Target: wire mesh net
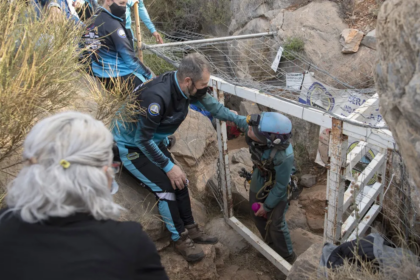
[251,63]
[391,210]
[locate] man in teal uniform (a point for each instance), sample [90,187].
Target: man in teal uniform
[163,104]
[143,14]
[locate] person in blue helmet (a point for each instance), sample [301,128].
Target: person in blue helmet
[113,59]
[268,136]
[90,6]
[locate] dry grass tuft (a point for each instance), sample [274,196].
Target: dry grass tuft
[40,74]
[37,65]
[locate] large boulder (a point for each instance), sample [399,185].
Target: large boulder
[397,76]
[227,236]
[141,205]
[306,265]
[244,11]
[303,239]
[196,150]
[305,138]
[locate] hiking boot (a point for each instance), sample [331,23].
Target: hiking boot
[199,237]
[291,259]
[186,247]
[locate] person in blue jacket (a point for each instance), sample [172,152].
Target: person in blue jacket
[143,14]
[56,8]
[163,106]
[268,136]
[113,52]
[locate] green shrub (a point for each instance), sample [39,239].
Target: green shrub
[291,47]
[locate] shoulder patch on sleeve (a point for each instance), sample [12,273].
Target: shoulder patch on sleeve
[121,33]
[154,109]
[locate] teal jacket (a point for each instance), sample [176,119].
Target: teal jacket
[283,165]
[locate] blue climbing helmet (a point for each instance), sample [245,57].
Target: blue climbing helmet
[271,128]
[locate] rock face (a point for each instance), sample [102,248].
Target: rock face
[313,201]
[302,240]
[196,150]
[248,108]
[397,77]
[227,236]
[350,40]
[245,11]
[296,216]
[240,158]
[318,24]
[306,264]
[141,205]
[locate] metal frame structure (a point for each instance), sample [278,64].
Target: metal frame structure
[367,199]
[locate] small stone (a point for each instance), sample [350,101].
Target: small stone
[350,40]
[308,180]
[370,40]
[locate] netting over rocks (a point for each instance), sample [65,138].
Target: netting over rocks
[279,68]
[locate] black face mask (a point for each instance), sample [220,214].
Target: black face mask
[118,11]
[201,92]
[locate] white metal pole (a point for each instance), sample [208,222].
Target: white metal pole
[336,182]
[211,40]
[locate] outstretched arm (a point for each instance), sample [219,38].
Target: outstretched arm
[209,103]
[144,16]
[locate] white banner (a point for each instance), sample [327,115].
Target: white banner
[341,102]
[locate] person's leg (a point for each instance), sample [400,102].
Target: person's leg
[182,196]
[278,236]
[157,182]
[260,222]
[184,207]
[279,232]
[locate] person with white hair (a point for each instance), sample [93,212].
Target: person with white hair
[60,220]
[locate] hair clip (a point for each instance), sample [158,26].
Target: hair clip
[64,163]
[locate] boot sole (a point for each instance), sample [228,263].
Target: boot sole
[194,259]
[191,258]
